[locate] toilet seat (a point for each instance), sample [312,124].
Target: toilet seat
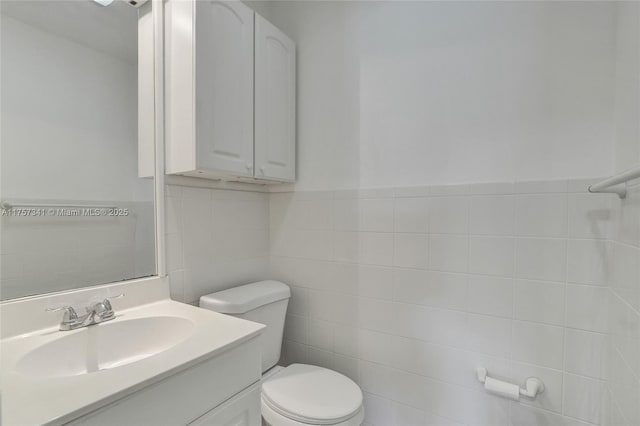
[312,395]
[271,418]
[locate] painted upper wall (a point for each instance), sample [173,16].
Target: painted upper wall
[628,86]
[408,93]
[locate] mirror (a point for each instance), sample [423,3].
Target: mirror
[74,210]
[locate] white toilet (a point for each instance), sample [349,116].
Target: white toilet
[300,394]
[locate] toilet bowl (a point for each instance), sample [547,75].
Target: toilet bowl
[300,394]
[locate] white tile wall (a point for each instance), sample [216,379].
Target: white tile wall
[407,290]
[622,372]
[217,239]
[529,296]
[407,294]
[622,328]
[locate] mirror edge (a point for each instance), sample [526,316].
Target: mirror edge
[157,10]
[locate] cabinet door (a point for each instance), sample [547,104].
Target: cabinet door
[224,87]
[241,410]
[194,393]
[275,69]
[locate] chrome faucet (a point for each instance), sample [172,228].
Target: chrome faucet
[96,313]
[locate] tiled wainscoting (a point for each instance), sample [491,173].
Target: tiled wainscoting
[216,239]
[408,290]
[623,372]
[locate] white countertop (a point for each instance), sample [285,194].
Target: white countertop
[28,400]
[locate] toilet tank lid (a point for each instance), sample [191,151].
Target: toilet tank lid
[242,299]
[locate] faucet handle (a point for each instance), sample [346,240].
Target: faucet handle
[104,304]
[107,300]
[69,313]
[117,296]
[104,308]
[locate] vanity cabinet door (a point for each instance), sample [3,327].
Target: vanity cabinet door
[191,395]
[241,410]
[275,94]
[224,87]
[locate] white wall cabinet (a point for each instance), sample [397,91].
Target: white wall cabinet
[275,102]
[224,87]
[230,93]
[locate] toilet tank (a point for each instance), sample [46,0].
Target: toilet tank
[264,302]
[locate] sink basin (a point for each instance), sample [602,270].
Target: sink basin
[104,346]
[54,377]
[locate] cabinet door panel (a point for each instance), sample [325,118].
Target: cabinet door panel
[186,396]
[275,70]
[241,410]
[224,86]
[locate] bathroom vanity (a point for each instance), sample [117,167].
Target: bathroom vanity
[159,363]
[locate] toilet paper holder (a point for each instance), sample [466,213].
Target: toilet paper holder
[533,385]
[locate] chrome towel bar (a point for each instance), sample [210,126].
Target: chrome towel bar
[616,184]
